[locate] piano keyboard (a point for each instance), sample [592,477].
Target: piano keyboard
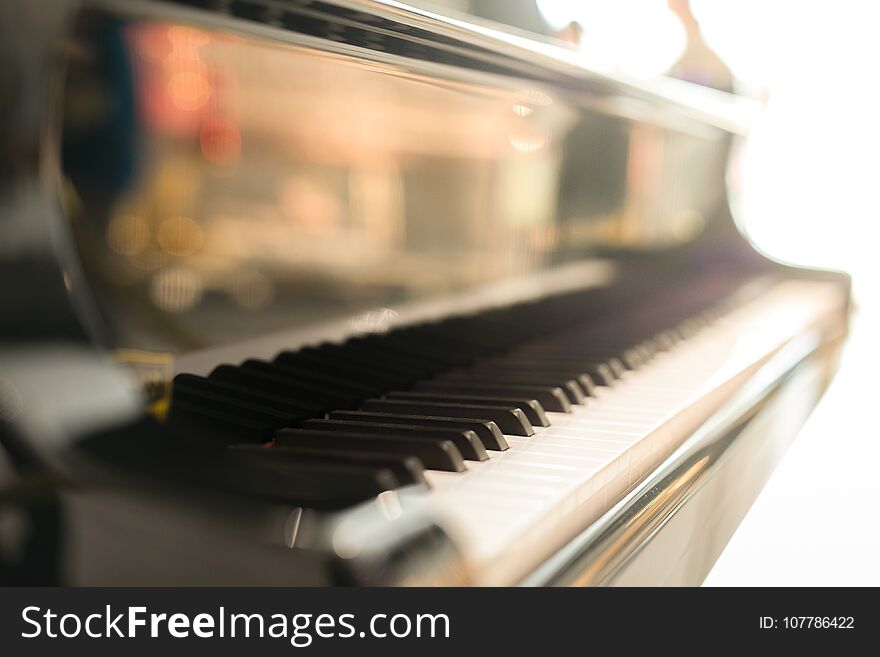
[510,513]
[513,434]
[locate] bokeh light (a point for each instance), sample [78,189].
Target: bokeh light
[220,141]
[176,289]
[128,234]
[180,236]
[189,90]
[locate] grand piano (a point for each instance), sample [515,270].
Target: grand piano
[347,292]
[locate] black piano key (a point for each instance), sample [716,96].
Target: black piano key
[435,454]
[199,383]
[307,376]
[552,398]
[449,339]
[408,470]
[398,353]
[509,419]
[322,397]
[470,332]
[526,361]
[304,482]
[487,431]
[574,389]
[604,371]
[599,374]
[619,360]
[208,424]
[421,346]
[668,339]
[234,406]
[616,366]
[366,374]
[468,443]
[688,328]
[635,357]
[530,407]
[365,356]
[546,390]
[586,374]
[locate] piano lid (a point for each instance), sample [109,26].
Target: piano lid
[263,167]
[389,27]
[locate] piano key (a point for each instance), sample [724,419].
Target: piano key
[209,424]
[616,366]
[235,406]
[551,368]
[472,331]
[384,349]
[416,345]
[688,328]
[618,359]
[552,398]
[599,452]
[372,375]
[194,382]
[509,419]
[434,453]
[306,482]
[408,470]
[325,398]
[309,376]
[637,356]
[365,356]
[585,372]
[573,390]
[601,373]
[666,340]
[487,431]
[468,443]
[530,407]
[395,346]
[449,337]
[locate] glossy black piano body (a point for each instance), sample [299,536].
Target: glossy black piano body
[199,183]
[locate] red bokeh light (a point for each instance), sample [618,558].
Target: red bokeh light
[220,140]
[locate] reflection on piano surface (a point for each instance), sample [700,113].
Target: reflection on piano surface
[392,299]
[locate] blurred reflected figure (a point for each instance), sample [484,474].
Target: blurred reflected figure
[571,33]
[698,63]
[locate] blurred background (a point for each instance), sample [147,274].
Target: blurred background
[805,188]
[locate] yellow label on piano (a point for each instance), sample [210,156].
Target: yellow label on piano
[154,371]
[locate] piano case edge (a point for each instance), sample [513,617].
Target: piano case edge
[670,529]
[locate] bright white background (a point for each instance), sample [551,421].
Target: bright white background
[810,194]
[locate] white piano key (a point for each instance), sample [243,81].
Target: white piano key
[546,486]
